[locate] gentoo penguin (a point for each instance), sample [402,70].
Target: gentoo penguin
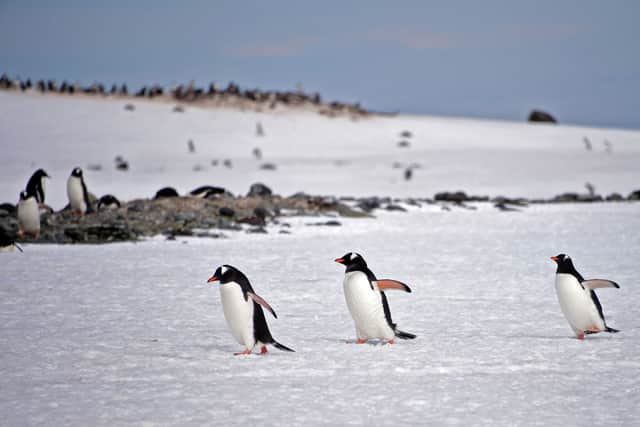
[367,302]
[243,311]
[77,192]
[37,185]
[108,202]
[578,300]
[28,215]
[207,190]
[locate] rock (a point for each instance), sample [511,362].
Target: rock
[227,163]
[9,208]
[268,166]
[166,192]
[257,230]
[397,208]
[503,207]
[368,204]
[259,190]
[511,201]
[406,134]
[226,211]
[541,117]
[130,107]
[566,197]
[614,197]
[457,197]
[404,144]
[635,195]
[178,109]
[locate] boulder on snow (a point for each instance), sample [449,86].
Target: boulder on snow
[540,116]
[259,190]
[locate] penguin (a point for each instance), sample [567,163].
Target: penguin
[243,310]
[28,215]
[207,190]
[37,185]
[108,202]
[578,301]
[367,301]
[77,192]
[165,192]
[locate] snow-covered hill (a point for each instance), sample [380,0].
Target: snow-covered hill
[312,153]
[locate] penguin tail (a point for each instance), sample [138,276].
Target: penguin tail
[611,330]
[279,346]
[404,335]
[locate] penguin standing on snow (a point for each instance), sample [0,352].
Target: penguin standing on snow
[28,215]
[36,185]
[243,310]
[577,298]
[77,193]
[367,302]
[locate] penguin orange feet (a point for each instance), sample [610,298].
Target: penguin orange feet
[361,341]
[391,341]
[243,353]
[581,337]
[263,350]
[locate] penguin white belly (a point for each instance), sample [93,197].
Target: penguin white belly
[365,306]
[576,304]
[238,313]
[29,215]
[76,194]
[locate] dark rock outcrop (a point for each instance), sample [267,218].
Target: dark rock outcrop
[539,116]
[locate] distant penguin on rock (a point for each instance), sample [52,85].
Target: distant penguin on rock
[578,300]
[165,192]
[206,191]
[28,215]
[37,185]
[77,193]
[242,309]
[108,202]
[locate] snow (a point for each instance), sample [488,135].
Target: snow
[312,153]
[131,334]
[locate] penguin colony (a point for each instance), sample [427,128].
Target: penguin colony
[364,292]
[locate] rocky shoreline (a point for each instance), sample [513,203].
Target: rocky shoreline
[218,214]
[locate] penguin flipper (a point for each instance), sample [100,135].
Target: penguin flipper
[599,283]
[262,302]
[404,335]
[610,330]
[383,284]
[279,346]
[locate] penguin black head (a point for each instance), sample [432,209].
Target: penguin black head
[225,274]
[565,265]
[561,259]
[351,259]
[77,172]
[24,195]
[39,174]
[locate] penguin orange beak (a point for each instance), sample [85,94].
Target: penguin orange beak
[339,260]
[212,279]
[555,258]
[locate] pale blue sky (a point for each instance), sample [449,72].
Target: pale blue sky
[580,60]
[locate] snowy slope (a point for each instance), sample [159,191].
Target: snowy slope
[127,334]
[313,153]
